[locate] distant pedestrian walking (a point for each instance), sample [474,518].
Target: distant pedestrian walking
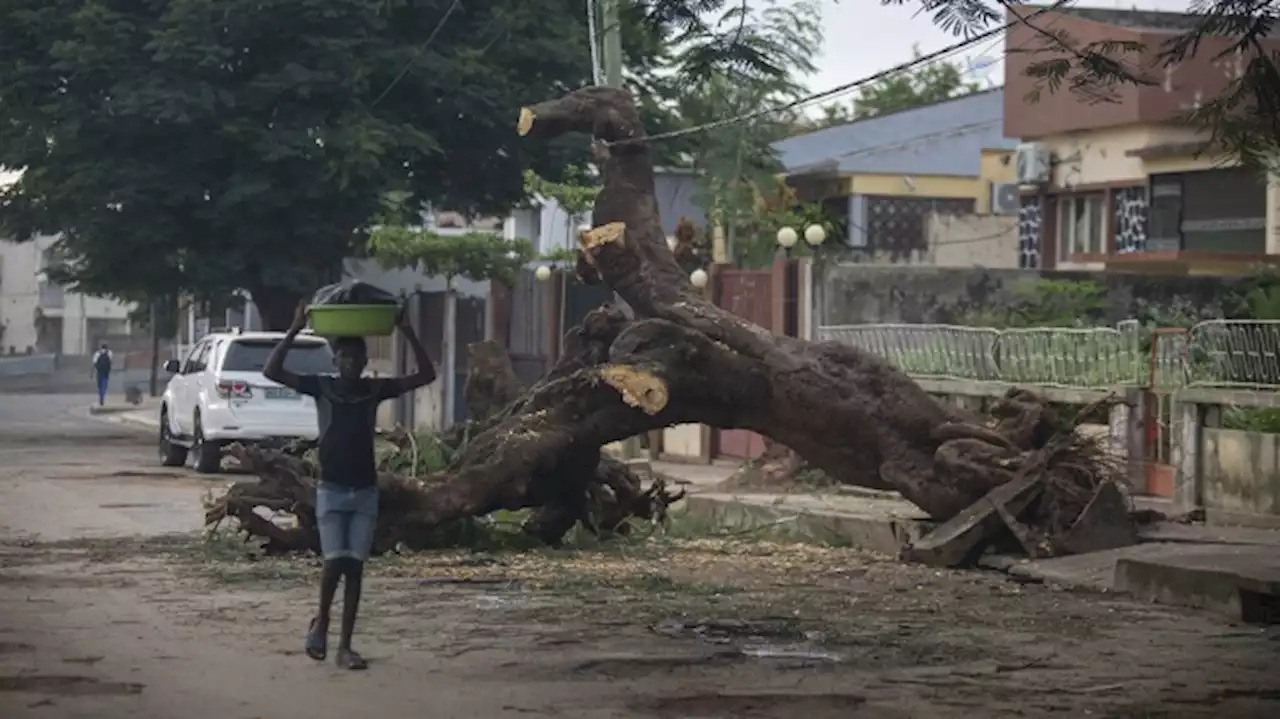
[102,370]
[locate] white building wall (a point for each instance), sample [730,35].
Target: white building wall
[20,293]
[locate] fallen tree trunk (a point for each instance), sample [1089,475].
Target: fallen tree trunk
[681,359]
[584,487]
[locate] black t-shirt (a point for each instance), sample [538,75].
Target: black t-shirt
[347,410]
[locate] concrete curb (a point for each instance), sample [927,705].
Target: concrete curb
[1242,583]
[876,531]
[139,419]
[143,419]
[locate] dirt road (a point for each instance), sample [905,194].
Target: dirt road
[112,607]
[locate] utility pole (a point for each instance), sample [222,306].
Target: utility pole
[611,43]
[611,58]
[155,349]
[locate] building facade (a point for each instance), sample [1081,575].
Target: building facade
[40,317]
[884,177]
[1125,184]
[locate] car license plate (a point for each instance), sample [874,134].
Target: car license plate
[280,393]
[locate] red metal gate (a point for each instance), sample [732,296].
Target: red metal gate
[749,295]
[1165,375]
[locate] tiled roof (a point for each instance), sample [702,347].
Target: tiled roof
[946,138]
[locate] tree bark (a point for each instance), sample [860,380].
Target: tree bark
[680,359]
[276,305]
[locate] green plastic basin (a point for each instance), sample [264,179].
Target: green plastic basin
[353,320]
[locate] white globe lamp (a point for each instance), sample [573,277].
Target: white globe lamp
[787,238]
[698,278]
[815,235]
[543,273]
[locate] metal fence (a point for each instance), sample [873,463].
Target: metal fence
[936,351]
[1225,353]
[1233,353]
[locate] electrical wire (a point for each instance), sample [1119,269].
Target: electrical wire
[409,65]
[919,139]
[846,88]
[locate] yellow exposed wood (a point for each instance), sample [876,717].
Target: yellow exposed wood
[638,389]
[525,123]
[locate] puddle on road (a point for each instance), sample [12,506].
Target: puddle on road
[770,705]
[66,685]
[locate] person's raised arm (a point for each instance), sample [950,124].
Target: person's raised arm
[274,369]
[426,373]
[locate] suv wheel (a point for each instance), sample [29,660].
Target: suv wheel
[206,456]
[171,455]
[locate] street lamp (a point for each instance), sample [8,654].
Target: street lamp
[787,238]
[543,273]
[815,235]
[698,278]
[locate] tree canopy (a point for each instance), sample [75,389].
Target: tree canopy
[199,146]
[923,85]
[203,145]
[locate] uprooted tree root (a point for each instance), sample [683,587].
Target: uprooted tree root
[1024,472]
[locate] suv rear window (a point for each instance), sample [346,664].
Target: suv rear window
[303,357]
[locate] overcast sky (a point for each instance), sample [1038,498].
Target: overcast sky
[863,36]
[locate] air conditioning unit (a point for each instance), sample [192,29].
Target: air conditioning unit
[1032,162]
[1006,198]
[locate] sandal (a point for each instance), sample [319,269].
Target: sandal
[349,659]
[317,641]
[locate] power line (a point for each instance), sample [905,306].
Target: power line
[958,131]
[845,88]
[409,65]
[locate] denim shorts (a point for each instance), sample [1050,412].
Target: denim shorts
[347,518]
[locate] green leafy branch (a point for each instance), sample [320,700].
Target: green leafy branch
[573,194]
[478,256]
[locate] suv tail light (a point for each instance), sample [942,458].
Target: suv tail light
[234,389]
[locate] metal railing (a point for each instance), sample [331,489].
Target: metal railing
[1223,353]
[1233,353]
[937,351]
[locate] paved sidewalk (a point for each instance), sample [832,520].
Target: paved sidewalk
[1234,571]
[145,414]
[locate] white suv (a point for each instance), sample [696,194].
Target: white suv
[218,395]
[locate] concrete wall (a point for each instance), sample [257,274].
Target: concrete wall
[863,294]
[972,241]
[1241,476]
[684,442]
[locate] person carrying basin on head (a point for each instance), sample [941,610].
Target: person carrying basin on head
[347,494]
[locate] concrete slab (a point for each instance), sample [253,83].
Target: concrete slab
[1094,571]
[877,525]
[1242,582]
